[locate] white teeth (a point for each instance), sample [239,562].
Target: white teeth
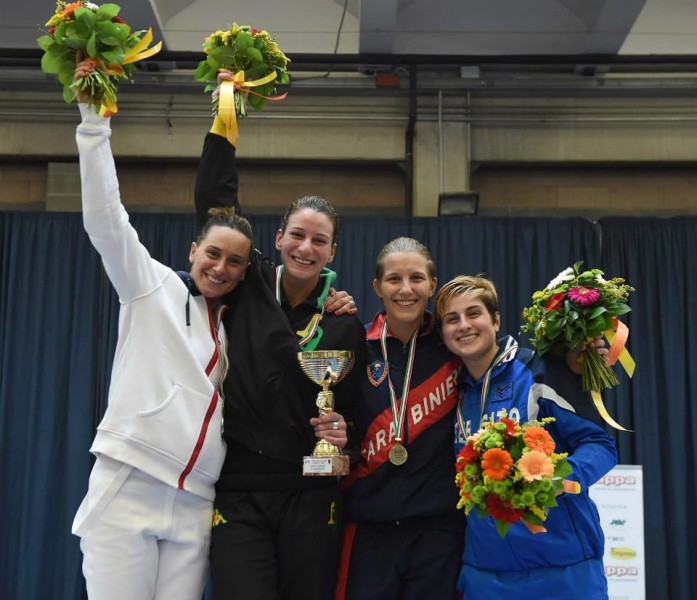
[214,279]
[405,303]
[302,261]
[466,338]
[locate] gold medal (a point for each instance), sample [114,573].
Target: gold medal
[398,455]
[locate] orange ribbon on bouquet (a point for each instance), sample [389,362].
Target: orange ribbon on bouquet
[225,122]
[617,337]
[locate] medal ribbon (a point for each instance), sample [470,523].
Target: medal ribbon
[312,328]
[485,386]
[398,412]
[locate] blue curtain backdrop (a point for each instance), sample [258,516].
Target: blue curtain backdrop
[58,317]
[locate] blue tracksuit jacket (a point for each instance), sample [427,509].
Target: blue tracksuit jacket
[530,388]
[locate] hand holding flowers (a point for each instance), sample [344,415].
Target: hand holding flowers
[576,307]
[107,41]
[510,472]
[254,65]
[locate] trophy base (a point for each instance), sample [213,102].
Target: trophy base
[325,466]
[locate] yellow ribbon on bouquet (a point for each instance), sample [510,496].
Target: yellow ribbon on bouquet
[617,337]
[225,122]
[139,52]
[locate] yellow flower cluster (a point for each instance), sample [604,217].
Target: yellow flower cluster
[62,14]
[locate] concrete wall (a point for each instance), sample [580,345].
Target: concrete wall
[524,155]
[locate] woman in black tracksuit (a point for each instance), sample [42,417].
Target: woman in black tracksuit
[277,533]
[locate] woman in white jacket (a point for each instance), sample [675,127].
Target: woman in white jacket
[145,521]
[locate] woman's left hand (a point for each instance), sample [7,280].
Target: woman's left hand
[340,303]
[331,427]
[573,356]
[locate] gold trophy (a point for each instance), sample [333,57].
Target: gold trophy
[325,368]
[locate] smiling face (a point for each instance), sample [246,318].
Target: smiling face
[404,287]
[470,331]
[219,260]
[306,246]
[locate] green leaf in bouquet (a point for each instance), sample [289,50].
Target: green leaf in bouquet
[256,102]
[118,33]
[114,56]
[577,266]
[59,32]
[562,469]
[481,512]
[209,73]
[91,47]
[532,518]
[597,311]
[108,11]
[66,72]
[254,55]
[68,94]
[282,76]
[54,57]
[75,43]
[621,309]
[224,55]
[85,19]
[45,42]
[201,70]
[502,527]
[244,40]
[210,87]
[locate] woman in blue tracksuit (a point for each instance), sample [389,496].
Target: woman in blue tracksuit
[566,561]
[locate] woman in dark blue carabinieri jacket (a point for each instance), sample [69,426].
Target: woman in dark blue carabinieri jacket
[566,562]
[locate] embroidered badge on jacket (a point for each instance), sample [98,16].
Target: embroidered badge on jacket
[376,372]
[503,391]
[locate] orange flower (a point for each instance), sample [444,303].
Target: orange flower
[555,301]
[535,465]
[538,438]
[70,8]
[496,464]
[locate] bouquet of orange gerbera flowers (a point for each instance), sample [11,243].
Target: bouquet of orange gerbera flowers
[510,472]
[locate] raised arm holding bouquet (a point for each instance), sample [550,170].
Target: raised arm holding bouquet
[107,43]
[576,307]
[257,65]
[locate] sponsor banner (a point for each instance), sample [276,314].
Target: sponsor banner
[620,501]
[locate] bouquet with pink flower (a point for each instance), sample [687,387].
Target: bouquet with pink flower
[510,472]
[575,307]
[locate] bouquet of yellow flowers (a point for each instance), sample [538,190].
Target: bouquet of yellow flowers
[255,59]
[510,472]
[104,39]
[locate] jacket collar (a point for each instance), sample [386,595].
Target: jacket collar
[375,330]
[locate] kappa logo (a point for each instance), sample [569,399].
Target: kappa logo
[503,391]
[376,372]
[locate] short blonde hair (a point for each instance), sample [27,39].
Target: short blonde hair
[476,285]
